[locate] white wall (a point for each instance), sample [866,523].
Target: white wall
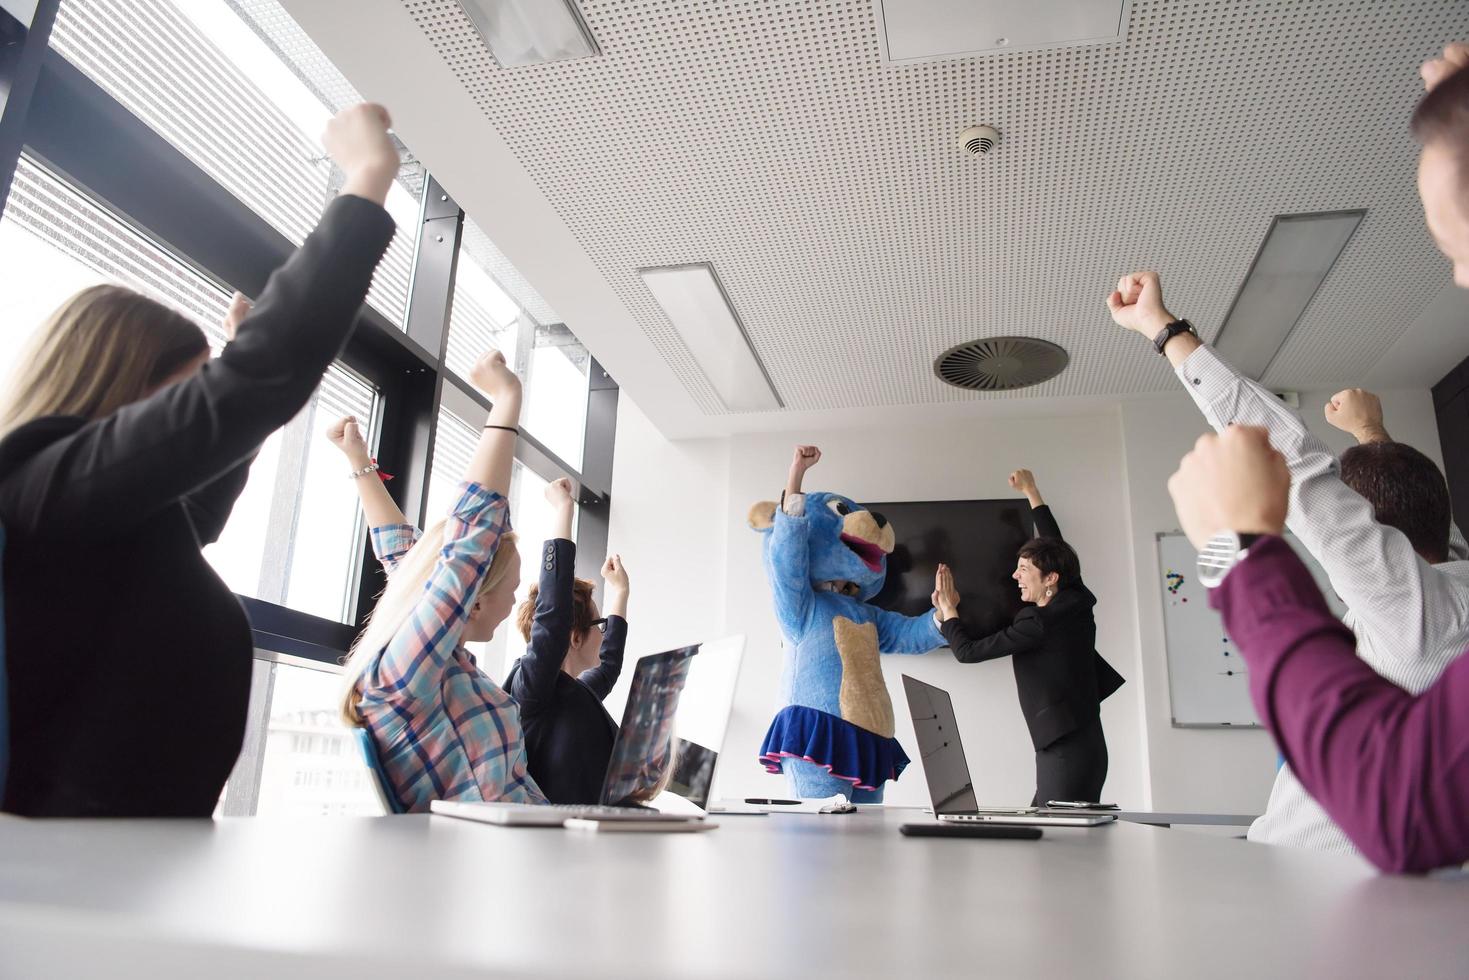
[678,518]
[1211,769]
[670,501]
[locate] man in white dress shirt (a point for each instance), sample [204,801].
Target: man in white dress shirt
[1406,586]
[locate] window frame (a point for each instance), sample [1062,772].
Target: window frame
[53,111]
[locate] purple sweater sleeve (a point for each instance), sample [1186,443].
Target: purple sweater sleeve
[1391,769]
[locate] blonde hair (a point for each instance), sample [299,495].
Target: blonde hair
[104,348]
[404,591]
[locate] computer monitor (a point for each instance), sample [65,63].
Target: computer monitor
[937,731]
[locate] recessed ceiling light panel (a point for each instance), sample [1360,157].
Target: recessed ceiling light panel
[699,309]
[935,30]
[1298,252]
[531,32]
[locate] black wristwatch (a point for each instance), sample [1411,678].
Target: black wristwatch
[1172,330]
[1222,552]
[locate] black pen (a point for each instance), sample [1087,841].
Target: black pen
[760,802]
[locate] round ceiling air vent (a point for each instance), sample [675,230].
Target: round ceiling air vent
[1000,363]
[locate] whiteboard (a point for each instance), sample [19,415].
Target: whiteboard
[1208,684]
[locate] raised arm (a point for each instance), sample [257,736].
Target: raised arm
[534,684]
[1390,769]
[1023,481]
[1372,567]
[414,659]
[209,506]
[787,556]
[121,469]
[378,506]
[603,677]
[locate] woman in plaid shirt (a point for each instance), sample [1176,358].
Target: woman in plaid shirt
[444,730]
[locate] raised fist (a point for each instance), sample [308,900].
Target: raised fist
[1357,411]
[357,140]
[1231,482]
[347,436]
[1137,304]
[493,376]
[805,457]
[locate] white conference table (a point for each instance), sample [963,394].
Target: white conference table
[784,895]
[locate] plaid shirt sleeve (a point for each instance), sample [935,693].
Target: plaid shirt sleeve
[412,664]
[390,542]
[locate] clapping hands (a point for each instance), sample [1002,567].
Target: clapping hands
[945,596]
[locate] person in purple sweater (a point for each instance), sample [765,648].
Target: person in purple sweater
[1392,769]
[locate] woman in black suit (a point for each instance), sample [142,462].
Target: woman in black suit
[573,657]
[1052,642]
[122,450]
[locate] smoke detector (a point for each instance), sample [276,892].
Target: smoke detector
[1000,363]
[978,140]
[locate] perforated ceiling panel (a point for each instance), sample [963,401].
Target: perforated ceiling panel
[856,239]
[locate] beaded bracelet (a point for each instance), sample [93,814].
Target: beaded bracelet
[369,468]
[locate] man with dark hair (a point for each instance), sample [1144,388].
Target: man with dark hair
[1406,491]
[1405,488]
[1389,766]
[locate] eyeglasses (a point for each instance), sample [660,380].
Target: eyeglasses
[601,624]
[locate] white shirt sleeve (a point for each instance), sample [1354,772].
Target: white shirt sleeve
[1386,585]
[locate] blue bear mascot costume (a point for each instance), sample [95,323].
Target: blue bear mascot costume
[825,556]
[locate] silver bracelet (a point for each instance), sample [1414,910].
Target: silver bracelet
[369,468]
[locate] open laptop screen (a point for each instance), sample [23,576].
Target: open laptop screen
[937,731]
[645,745]
[703,718]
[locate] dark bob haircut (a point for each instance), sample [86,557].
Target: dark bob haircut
[1406,491]
[1053,555]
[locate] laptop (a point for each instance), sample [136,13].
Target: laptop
[703,722]
[635,773]
[947,770]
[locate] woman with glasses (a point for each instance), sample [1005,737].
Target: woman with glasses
[572,660]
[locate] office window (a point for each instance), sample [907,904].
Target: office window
[54,242]
[481,315]
[552,364]
[213,85]
[311,765]
[295,535]
[556,380]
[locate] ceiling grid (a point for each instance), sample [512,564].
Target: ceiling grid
[858,242]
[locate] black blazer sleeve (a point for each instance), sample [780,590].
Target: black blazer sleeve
[209,507]
[1021,636]
[603,677]
[115,472]
[534,684]
[1045,522]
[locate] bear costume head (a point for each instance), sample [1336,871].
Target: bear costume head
[848,542]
